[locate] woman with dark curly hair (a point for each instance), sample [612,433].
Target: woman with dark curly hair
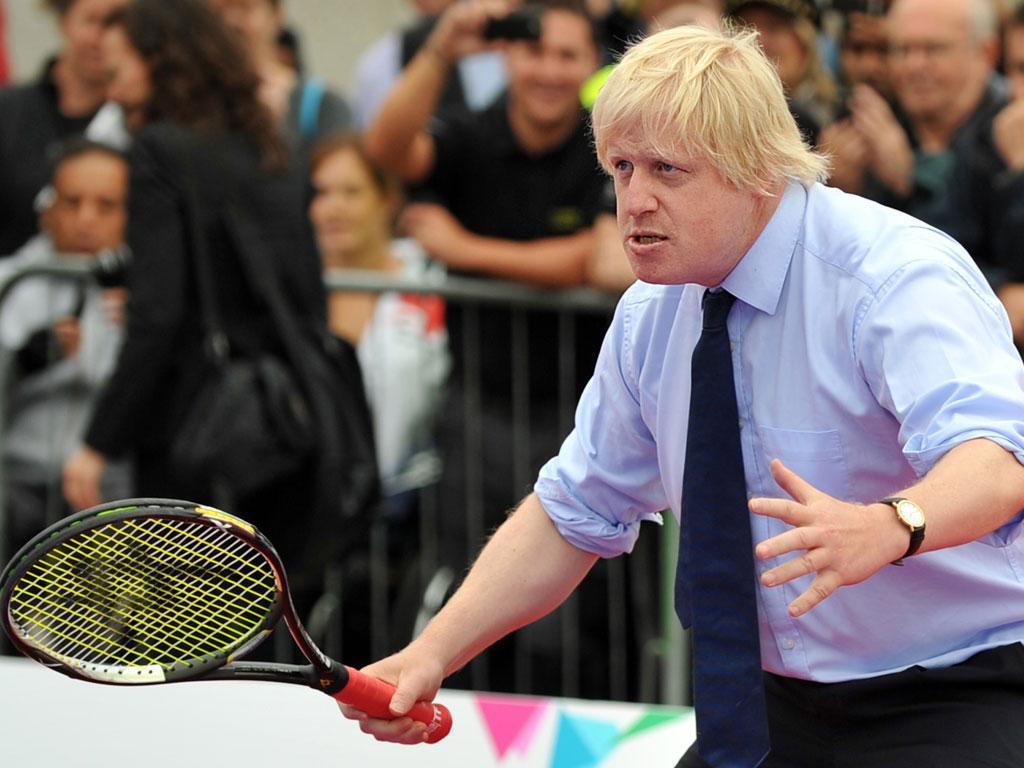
[201,141]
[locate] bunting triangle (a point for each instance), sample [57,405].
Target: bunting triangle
[648,720]
[582,742]
[511,721]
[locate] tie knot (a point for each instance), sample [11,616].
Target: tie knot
[716,308]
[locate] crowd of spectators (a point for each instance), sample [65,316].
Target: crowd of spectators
[453,152]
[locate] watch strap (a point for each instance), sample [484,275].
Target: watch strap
[916,534]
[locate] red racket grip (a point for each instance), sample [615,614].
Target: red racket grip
[373,696]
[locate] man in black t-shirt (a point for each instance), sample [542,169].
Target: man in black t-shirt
[514,189]
[509,193]
[35,117]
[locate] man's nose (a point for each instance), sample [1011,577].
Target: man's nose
[638,197]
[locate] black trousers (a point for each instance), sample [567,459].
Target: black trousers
[970,715]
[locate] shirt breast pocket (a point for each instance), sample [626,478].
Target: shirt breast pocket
[816,456]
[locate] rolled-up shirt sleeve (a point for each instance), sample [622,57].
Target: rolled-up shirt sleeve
[948,369]
[605,480]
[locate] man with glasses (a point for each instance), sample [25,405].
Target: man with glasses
[933,156]
[1008,135]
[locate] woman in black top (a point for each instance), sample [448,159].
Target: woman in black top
[200,138]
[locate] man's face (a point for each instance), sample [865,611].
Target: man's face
[89,209]
[680,221]
[1013,59]
[82,29]
[935,64]
[545,77]
[864,52]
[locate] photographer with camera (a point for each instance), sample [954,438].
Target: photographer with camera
[510,193]
[537,132]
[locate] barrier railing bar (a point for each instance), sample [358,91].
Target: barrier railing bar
[671,646]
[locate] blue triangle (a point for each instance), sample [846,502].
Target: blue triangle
[582,742]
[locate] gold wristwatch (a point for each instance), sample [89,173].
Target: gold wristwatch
[912,516]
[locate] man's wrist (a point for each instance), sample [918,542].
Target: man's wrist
[911,517]
[436,54]
[893,535]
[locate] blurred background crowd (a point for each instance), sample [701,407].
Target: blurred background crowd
[434,216]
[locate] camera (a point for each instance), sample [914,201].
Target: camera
[869,7]
[112,266]
[523,24]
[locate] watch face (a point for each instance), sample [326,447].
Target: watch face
[910,513]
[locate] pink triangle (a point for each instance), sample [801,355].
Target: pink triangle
[512,721]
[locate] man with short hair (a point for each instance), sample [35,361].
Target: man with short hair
[825,391]
[511,193]
[1013,51]
[936,159]
[1008,136]
[37,115]
[65,334]
[476,167]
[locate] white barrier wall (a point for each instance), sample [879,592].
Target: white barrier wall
[48,720]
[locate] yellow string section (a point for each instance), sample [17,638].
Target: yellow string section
[144,591]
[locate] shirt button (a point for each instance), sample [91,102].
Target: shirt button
[789,643]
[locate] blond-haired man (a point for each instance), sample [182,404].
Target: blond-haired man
[875,396]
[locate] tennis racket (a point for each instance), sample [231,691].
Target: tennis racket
[145,591]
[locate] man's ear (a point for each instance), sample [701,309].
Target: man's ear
[990,52]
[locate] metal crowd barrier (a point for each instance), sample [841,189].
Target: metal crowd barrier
[646,652]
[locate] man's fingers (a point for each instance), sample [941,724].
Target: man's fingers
[803,564]
[792,483]
[406,695]
[781,509]
[352,713]
[824,585]
[402,730]
[794,540]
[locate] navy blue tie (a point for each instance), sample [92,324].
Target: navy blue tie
[715,587]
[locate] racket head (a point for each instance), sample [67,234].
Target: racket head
[142,591]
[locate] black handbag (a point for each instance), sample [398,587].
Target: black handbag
[250,423]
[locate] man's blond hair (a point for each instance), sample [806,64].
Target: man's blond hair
[712,93]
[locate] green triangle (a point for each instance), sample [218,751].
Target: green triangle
[652,719]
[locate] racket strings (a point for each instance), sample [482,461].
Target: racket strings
[165,599]
[145,591]
[120,586]
[125,592]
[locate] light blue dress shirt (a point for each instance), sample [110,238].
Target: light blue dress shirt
[865,346]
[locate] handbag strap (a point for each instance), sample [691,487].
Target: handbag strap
[216,344]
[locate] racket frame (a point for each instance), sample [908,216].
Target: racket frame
[322,673]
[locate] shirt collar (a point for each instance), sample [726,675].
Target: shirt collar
[758,278]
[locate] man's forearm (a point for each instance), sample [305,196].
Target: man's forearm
[551,261]
[397,137]
[526,570]
[973,490]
